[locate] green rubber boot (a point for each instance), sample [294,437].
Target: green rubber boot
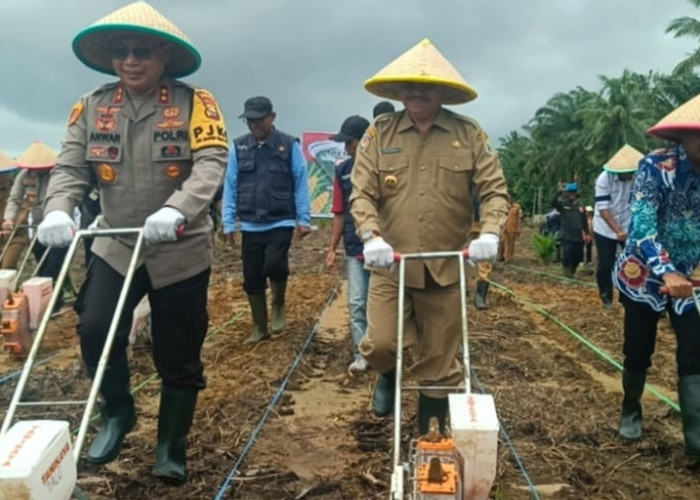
[278,321]
[384,393]
[482,288]
[118,414]
[689,396]
[174,421]
[631,414]
[258,309]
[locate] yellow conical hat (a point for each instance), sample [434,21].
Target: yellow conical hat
[421,64]
[625,161]
[91,45]
[684,117]
[37,156]
[7,164]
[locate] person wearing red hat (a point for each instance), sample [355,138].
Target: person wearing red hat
[157,150]
[659,268]
[412,192]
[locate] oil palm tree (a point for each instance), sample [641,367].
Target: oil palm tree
[687,27]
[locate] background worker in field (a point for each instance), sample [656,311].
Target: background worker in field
[267,189]
[613,211]
[7,171]
[412,184]
[351,131]
[653,273]
[157,149]
[511,230]
[25,204]
[574,227]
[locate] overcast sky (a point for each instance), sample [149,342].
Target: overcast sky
[311,57]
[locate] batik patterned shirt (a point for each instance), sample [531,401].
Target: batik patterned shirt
[664,233]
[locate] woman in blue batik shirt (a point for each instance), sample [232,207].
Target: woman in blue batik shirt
[654,272]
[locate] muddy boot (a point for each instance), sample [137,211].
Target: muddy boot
[118,414]
[606,298]
[569,272]
[631,415]
[482,288]
[428,408]
[689,396]
[383,395]
[174,421]
[278,321]
[258,309]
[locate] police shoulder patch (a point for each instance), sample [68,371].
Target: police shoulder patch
[207,127]
[75,113]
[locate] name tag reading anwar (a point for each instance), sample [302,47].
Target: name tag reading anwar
[391,151]
[207,128]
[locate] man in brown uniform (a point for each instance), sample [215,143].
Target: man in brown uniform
[157,149]
[411,193]
[511,231]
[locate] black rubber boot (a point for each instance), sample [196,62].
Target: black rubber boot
[258,309]
[431,407]
[174,421]
[631,414]
[278,322]
[118,414]
[569,272]
[482,288]
[606,298]
[384,392]
[689,396]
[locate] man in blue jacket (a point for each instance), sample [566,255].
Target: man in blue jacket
[267,189]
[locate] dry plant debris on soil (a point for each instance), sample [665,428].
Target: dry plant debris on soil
[557,400]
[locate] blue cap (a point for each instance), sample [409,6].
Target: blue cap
[571,187]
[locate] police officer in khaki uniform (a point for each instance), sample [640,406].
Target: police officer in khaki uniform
[157,150]
[25,205]
[511,231]
[411,193]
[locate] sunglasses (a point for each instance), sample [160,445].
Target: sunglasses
[140,53]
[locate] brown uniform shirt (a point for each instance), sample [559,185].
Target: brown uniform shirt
[513,220]
[416,192]
[27,196]
[170,151]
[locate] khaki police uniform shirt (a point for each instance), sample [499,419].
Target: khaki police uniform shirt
[170,151]
[27,196]
[415,192]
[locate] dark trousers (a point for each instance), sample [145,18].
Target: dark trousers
[571,253]
[179,321]
[265,255]
[589,252]
[640,337]
[51,267]
[607,251]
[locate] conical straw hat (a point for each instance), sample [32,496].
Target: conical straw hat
[91,45]
[7,164]
[37,156]
[625,161]
[684,117]
[421,64]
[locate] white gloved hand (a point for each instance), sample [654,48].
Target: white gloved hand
[162,225]
[485,247]
[378,253]
[95,223]
[57,229]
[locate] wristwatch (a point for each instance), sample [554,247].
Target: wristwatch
[368,235]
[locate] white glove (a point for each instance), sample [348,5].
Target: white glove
[57,229]
[162,225]
[378,253]
[485,247]
[95,222]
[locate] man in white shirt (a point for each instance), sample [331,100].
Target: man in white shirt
[613,200]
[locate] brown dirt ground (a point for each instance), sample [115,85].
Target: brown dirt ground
[557,400]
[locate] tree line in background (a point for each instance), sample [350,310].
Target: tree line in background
[575,133]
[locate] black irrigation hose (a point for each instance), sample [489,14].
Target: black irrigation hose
[275,399]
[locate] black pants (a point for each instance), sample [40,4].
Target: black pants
[179,321]
[640,337]
[589,252]
[51,267]
[265,255]
[607,251]
[571,253]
